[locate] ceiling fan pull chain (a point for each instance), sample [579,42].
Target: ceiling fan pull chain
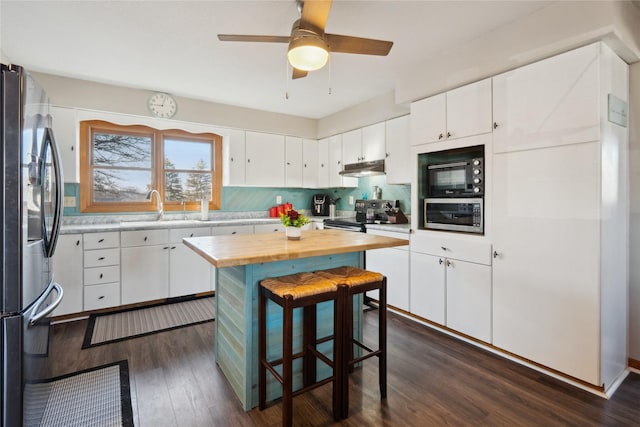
[287,72]
[329,61]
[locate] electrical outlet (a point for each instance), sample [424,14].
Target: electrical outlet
[278,200]
[69,201]
[350,200]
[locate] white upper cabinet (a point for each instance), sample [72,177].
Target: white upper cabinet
[310,169]
[323,163]
[398,160]
[364,144]
[233,172]
[461,112]
[265,159]
[293,168]
[336,163]
[547,103]
[65,129]
[352,146]
[373,142]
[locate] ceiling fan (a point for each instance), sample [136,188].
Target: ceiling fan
[309,45]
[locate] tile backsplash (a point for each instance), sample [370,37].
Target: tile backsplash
[261,199]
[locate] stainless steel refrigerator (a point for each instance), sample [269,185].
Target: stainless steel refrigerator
[30,212]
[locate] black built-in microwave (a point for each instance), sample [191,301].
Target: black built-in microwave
[464,178]
[451,214]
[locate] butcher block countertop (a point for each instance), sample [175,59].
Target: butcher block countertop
[234,250]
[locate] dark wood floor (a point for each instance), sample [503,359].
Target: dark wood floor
[433,380]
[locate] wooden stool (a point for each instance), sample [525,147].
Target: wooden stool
[356,281]
[304,290]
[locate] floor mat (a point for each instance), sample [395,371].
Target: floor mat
[117,326]
[97,397]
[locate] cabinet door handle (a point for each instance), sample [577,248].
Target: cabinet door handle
[440,261]
[101,258]
[448,134]
[449,263]
[495,254]
[191,235]
[248,160]
[386,155]
[233,232]
[288,163]
[101,297]
[166,247]
[232,159]
[173,247]
[440,136]
[305,165]
[145,238]
[321,165]
[101,240]
[77,242]
[444,248]
[495,125]
[101,275]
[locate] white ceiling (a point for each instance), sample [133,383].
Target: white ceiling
[171,46]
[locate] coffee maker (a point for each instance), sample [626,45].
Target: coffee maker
[320,204]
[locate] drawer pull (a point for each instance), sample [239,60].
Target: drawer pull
[101,240]
[101,297]
[101,258]
[234,232]
[444,248]
[166,247]
[101,275]
[145,238]
[77,242]
[191,235]
[173,247]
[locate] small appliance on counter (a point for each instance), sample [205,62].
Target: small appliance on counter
[320,204]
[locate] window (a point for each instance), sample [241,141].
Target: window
[119,165]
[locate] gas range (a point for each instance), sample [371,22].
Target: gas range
[367,212]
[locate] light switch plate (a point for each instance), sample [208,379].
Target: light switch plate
[69,201]
[278,200]
[350,200]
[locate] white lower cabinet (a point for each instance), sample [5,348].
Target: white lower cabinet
[101,270]
[67,270]
[451,284]
[189,273]
[145,265]
[394,264]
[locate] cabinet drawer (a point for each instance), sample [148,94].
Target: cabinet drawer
[101,257]
[232,229]
[101,296]
[478,252]
[101,240]
[97,275]
[145,237]
[268,228]
[177,234]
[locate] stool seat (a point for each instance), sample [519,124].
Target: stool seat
[299,285]
[350,276]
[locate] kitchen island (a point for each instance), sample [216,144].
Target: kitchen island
[242,261]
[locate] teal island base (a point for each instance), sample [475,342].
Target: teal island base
[237,322]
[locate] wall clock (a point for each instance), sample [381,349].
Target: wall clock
[162,105]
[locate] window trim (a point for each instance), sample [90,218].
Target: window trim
[87,205]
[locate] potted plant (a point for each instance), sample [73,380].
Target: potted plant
[293,221]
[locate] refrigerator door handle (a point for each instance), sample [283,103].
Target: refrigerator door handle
[59,189]
[39,315]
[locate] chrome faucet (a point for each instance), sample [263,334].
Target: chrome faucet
[158,202]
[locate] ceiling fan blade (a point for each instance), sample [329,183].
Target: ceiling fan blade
[315,14]
[251,38]
[349,44]
[298,74]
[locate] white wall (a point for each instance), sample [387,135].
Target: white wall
[83,94]
[556,28]
[634,244]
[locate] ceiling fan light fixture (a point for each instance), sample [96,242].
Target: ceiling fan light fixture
[308,53]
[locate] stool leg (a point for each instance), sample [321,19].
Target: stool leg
[382,331]
[347,350]
[262,351]
[309,338]
[339,370]
[287,362]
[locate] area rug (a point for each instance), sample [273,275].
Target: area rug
[97,397]
[104,328]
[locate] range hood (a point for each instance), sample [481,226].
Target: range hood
[375,167]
